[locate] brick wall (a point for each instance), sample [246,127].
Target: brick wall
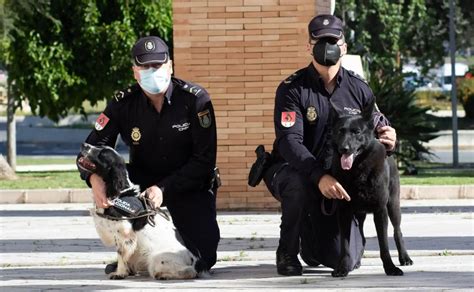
[240,50]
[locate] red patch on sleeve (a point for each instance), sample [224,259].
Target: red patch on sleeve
[101,122]
[288,119]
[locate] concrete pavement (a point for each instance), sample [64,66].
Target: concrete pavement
[55,247]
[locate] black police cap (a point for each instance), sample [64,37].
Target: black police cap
[325,25]
[150,49]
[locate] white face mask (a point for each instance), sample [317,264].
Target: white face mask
[154,80]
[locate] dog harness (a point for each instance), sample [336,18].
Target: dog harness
[133,207]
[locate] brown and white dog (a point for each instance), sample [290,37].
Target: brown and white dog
[144,242]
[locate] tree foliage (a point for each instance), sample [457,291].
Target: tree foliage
[64,52]
[409,119]
[387,33]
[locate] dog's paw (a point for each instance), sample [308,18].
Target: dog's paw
[160,276]
[339,273]
[114,276]
[393,271]
[405,261]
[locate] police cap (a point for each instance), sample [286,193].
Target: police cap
[325,25]
[150,49]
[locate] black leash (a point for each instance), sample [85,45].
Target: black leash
[333,207]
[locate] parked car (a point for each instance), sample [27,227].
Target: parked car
[444,74]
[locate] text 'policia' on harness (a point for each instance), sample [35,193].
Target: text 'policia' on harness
[134,210]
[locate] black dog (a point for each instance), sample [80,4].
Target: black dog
[372,181]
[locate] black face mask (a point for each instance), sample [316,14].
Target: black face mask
[326,52]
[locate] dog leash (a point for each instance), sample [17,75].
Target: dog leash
[331,211]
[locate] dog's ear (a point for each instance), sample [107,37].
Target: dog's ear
[333,115]
[367,114]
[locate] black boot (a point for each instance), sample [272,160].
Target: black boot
[288,265]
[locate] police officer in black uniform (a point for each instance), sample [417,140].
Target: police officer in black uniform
[169,126]
[302,106]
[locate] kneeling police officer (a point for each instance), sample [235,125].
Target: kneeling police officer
[297,176]
[170,128]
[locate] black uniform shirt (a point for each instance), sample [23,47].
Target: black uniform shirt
[302,107]
[174,149]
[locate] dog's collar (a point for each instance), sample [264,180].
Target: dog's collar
[132,187]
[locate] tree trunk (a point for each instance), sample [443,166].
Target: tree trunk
[6,172]
[11,127]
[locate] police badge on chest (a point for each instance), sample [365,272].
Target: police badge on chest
[136,136]
[311,115]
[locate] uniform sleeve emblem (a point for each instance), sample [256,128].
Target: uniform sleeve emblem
[288,119]
[205,119]
[101,122]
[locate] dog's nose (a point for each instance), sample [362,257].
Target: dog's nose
[344,149]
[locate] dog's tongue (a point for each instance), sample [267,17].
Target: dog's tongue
[346,161]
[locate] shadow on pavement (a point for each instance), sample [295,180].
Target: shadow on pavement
[73,213]
[227,244]
[239,277]
[437,209]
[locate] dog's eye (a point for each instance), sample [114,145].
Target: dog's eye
[355,131]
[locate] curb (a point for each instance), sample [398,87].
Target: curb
[84,195]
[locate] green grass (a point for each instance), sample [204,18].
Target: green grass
[28,160]
[438,174]
[445,179]
[71,179]
[45,180]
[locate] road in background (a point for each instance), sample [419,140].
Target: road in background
[40,136]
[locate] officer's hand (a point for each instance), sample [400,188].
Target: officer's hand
[98,191]
[155,194]
[388,137]
[332,189]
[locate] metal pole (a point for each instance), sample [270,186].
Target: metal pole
[452,51]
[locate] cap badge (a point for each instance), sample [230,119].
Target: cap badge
[311,114]
[149,46]
[136,135]
[326,22]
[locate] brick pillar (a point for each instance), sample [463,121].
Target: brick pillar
[240,50]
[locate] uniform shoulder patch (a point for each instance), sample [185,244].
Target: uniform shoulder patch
[192,88]
[122,94]
[205,118]
[293,76]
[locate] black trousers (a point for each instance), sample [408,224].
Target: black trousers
[193,214]
[295,193]
[304,227]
